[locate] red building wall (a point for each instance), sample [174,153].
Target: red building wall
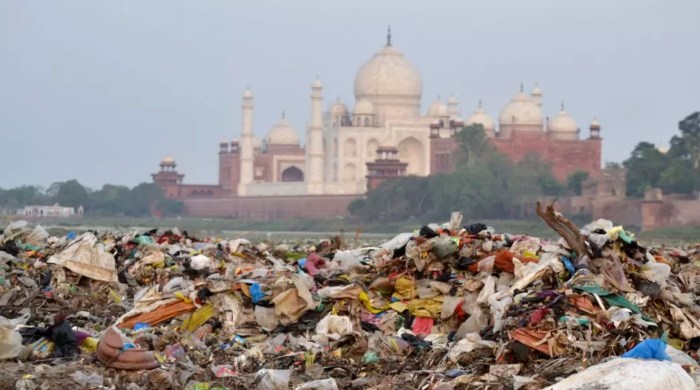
[272,207]
[564,156]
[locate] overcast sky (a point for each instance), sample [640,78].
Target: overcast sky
[100,91]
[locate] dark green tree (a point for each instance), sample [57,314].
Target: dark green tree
[473,145]
[73,194]
[644,168]
[574,182]
[109,200]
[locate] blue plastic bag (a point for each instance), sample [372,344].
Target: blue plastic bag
[256,293]
[648,349]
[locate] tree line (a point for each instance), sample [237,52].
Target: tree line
[486,184]
[142,200]
[675,171]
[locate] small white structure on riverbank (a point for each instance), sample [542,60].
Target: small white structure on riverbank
[55,211]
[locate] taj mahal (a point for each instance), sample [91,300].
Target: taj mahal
[385,135]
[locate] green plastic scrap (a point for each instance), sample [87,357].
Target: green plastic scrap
[370,357]
[143,240]
[612,299]
[627,238]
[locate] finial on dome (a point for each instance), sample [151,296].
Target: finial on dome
[479,103]
[522,87]
[283,114]
[388,36]
[562,105]
[438,97]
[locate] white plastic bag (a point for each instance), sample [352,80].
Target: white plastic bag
[629,374]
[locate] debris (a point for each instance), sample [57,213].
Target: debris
[443,307]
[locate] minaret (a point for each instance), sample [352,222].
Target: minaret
[537,95]
[246,176]
[314,144]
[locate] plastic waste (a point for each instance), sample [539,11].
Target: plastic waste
[273,379]
[202,262]
[88,380]
[334,326]
[629,374]
[370,357]
[648,349]
[256,293]
[223,371]
[10,342]
[320,384]
[85,256]
[266,317]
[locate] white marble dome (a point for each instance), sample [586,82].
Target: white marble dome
[363,107]
[388,74]
[481,117]
[562,123]
[282,133]
[338,109]
[521,110]
[438,109]
[167,160]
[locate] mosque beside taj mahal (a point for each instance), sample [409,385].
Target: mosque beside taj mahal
[385,135]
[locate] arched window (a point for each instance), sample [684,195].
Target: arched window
[292,174]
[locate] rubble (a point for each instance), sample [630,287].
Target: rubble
[444,307]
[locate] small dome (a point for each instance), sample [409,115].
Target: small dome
[481,117]
[438,109]
[562,123]
[167,160]
[388,73]
[247,94]
[453,107]
[234,141]
[282,133]
[363,107]
[338,109]
[595,124]
[521,110]
[257,142]
[317,84]
[223,142]
[663,149]
[536,90]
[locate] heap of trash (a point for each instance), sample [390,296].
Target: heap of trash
[448,306]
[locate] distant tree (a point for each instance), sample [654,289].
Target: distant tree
[73,194]
[574,182]
[143,199]
[688,144]
[22,196]
[109,200]
[678,177]
[473,144]
[644,168]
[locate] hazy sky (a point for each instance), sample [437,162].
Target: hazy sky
[101,90]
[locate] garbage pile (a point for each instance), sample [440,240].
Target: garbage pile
[451,306]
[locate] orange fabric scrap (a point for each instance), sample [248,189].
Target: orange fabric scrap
[535,339]
[162,313]
[503,261]
[582,303]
